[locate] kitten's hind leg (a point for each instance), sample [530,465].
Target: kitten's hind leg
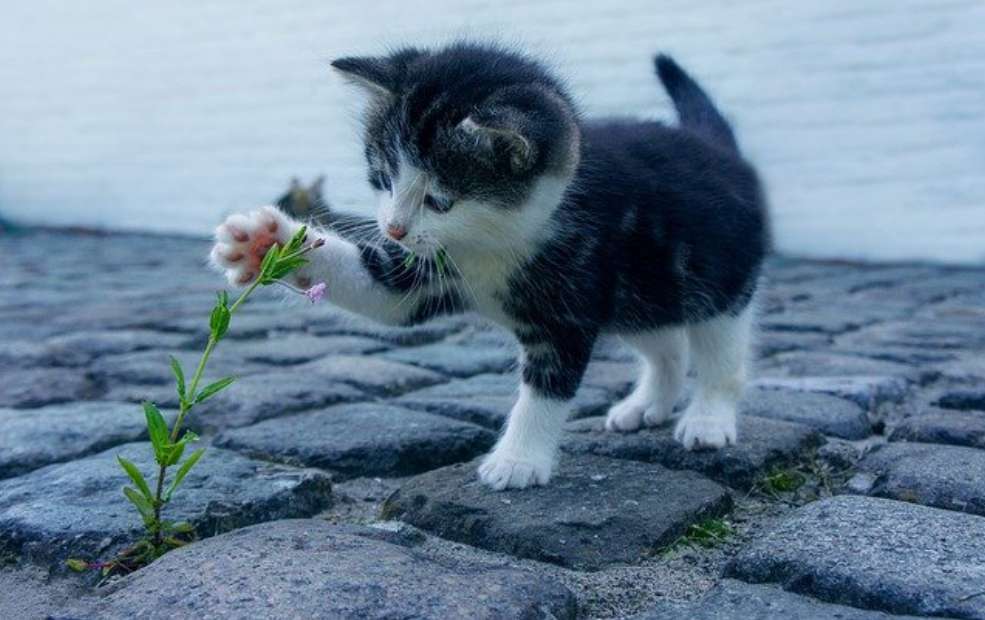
[663,356]
[719,356]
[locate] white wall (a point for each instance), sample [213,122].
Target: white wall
[866,117]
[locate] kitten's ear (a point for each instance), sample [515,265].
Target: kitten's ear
[380,75]
[500,131]
[373,74]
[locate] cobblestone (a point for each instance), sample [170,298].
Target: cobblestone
[959,428]
[812,514]
[934,475]
[763,445]
[595,512]
[362,440]
[76,509]
[874,554]
[33,438]
[309,569]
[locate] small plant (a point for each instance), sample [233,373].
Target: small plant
[169,444]
[783,481]
[706,534]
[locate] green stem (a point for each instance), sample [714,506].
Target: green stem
[200,370]
[188,400]
[186,406]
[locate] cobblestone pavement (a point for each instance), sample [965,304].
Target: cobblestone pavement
[340,478]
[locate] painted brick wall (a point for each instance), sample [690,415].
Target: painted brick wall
[866,118]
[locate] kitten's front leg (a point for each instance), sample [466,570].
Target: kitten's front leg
[361,278]
[526,452]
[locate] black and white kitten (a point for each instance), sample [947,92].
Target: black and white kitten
[558,229]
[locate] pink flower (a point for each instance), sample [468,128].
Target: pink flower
[316,292]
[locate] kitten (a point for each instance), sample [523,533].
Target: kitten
[557,228]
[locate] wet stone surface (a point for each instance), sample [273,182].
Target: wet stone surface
[874,553]
[33,438]
[487,399]
[36,387]
[366,439]
[828,414]
[763,445]
[733,600]
[959,428]
[855,490]
[309,569]
[595,512]
[255,398]
[934,475]
[76,509]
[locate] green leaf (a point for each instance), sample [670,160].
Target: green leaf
[212,389]
[79,566]
[136,476]
[219,319]
[409,260]
[284,267]
[295,243]
[183,471]
[143,506]
[179,376]
[177,449]
[174,453]
[273,254]
[157,428]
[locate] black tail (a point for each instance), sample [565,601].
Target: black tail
[694,107]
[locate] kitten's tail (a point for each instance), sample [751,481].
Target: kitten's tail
[695,108]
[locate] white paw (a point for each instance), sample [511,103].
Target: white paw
[706,430]
[626,416]
[242,241]
[501,472]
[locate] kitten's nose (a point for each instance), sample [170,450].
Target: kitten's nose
[396,231]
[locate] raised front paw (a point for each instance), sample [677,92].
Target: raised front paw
[500,472]
[242,241]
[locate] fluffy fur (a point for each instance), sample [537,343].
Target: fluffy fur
[496,197]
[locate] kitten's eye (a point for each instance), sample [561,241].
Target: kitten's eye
[434,203]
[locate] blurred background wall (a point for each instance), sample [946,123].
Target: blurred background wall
[866,118]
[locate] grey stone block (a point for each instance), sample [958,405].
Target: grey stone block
[367,439]
[76,509]
[869,392]
[763,445]
[951,477]
[487,399]
[296,348]
[959,428]
[310,569]
[33,438]
[455,359]
[269,395]
[876,554]
[36,387]
[829,414]
[594,512]
[735,600]
[370,374]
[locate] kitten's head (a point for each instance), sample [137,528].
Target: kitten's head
[467,146]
